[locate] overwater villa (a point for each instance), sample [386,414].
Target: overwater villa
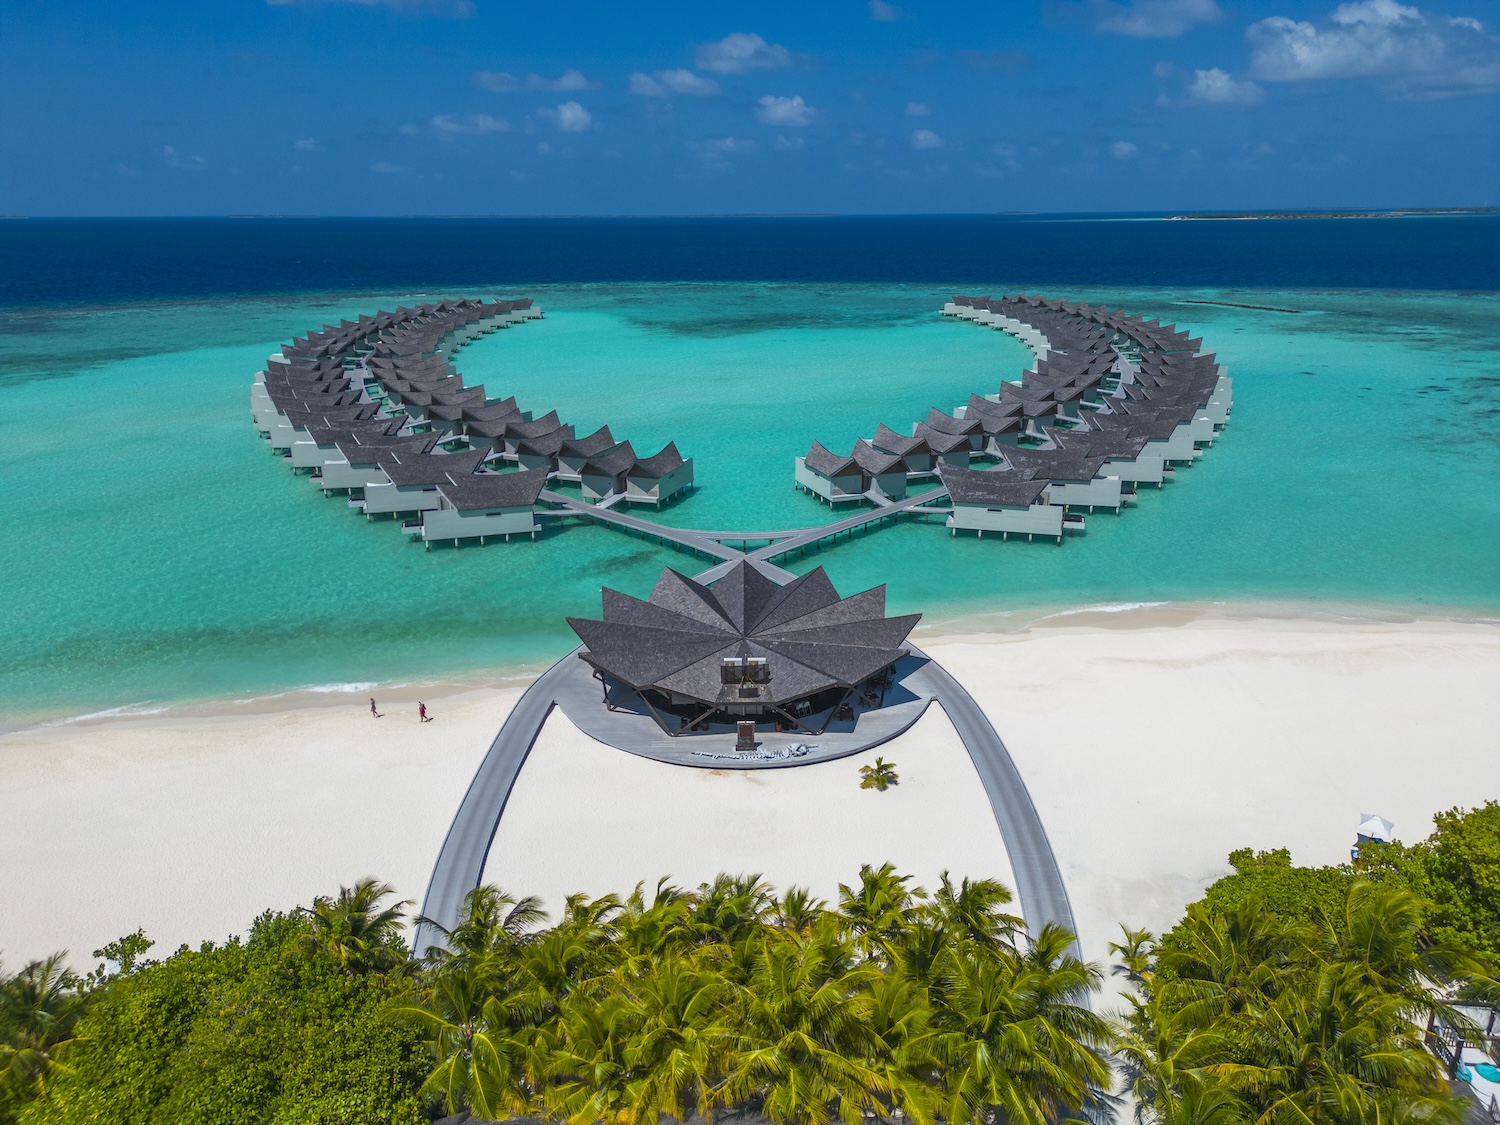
[1110,402]
[693,655]
[659,478]
[482,506]
[374,408]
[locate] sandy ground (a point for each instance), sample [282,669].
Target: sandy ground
[567,828]
[1153,743]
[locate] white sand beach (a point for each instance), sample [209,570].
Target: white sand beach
[1153,742]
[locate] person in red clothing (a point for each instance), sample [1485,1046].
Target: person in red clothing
[422,712]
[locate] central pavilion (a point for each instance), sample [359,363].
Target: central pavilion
[744,648]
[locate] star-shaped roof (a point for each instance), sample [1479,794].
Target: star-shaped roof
[677,640]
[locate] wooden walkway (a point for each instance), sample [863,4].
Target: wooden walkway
[461,862]
[779,544]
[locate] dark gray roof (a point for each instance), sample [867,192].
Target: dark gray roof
[478,491]
[941,442]
[811,638]
[430,468]
[1055,464]
[823,461]
[890,441]
[375,448]
[620,459]
[543,425]
[987,486]
[658,465]
[873,461]
[597,442]
[947,424]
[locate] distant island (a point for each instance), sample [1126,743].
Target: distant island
[1403,213]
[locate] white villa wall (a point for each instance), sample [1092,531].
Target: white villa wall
[341,474]
[449,523]
[830,489]
[1038,519]
[1101,492]
[643,491]
[382,497]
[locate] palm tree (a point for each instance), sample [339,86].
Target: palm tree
[491,922]
[881,775]
[798,910]
[880,906]
[1020,1041]
[354,929]
[1134,953]
[803,1033]
[972,909]
[480,1042]
[39,1007]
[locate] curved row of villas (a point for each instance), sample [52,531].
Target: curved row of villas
[1112,402]
[374,408]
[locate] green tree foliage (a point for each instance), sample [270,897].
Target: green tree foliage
[1248,1015]
[278,1029]
[727,998]
[39,1008]
[881,775]
[1457,869]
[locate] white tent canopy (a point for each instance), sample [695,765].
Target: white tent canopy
[1372,827]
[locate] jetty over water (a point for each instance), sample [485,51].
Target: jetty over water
[1111,402]
[374,409]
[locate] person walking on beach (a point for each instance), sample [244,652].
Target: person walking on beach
[422,712]
[374,714]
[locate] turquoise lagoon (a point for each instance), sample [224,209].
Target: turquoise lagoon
[155,553]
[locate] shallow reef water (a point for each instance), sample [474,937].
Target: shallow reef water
[155,551]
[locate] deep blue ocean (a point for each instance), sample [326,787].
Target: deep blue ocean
[50,261]
[153,551]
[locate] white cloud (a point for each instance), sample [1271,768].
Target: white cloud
[739,52]
[1122,150]
[922,139]
[175,159]
[1217,88]
[717,149]
[789,144]
[918,109]
[570,117]
[447,126]
[1154,19]
[503,83]
[1418,56]
[785,111]
[665,83]
[1381,13]
[381,168]
[884,12]
[308,144]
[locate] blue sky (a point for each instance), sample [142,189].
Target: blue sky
[368,107]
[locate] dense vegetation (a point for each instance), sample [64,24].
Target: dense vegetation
[1287,995]
[1301,995]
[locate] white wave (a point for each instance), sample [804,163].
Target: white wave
[1107,607]
[129,710]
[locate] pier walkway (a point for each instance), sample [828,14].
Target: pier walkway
[461,862]
[779,544]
